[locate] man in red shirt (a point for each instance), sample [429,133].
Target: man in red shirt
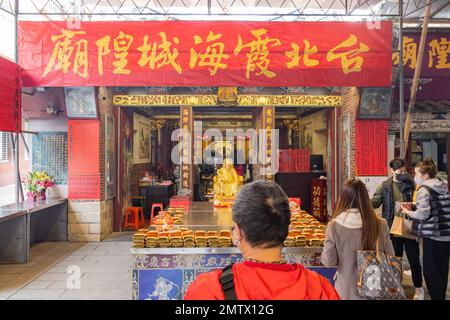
[261,218]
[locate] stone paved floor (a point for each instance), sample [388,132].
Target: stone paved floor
[105,270]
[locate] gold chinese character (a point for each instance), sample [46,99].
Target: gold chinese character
[316,202]
[62,52]
[316,191]
[121,45]
[103,50]
[80,63]
[257,57]
[213,55]
[409,53]
[294,55]
[441,50]
[350,62]
[164,57]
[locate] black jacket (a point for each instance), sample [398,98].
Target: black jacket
[438,223]
[384,196]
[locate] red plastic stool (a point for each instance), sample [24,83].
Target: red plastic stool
[137,217]
[154,206]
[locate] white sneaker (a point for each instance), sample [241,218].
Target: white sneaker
[419,294]
[407,273]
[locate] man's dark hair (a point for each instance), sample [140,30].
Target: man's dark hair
[261,210]
[397,163]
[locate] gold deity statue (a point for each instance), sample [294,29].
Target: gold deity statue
[226,184]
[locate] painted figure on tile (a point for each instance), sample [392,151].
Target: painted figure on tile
[163,290]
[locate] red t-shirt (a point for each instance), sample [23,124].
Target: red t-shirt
[260,281]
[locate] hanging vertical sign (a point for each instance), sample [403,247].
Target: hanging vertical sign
[187,124]
[318,199]
[10,96]
[266,140]
[83,159]
[371,147]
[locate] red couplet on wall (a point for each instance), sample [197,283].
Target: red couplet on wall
[10,96]
[203,53]
[83,159]
[371,147]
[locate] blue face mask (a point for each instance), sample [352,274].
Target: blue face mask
[418,180]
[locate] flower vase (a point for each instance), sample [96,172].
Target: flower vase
[43,196]
[32,197]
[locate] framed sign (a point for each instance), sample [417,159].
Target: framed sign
[306,136]
[142,132]
[375,103]
[50,154]
[80,103]
[110,161]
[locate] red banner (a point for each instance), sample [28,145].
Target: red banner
[10,96]
[371,147]
[83,159]
[196,53]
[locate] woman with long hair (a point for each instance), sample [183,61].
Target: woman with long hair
[431,223]
[354,227]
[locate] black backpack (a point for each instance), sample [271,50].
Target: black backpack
[227,282]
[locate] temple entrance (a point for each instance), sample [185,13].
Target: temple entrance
[220,155]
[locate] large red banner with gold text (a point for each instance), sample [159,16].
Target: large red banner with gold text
[181,53]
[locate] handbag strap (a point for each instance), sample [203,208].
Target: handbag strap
[227,282]
[361,270]
[377,249]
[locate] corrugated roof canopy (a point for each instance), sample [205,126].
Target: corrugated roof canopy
[262,10]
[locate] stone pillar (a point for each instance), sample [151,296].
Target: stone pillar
[90,213]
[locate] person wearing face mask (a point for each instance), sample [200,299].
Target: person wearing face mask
[431,222]
[261,218]
[390,194]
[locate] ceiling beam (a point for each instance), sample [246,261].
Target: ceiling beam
[439,9]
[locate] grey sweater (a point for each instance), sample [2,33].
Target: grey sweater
[342,241]
[423,210]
